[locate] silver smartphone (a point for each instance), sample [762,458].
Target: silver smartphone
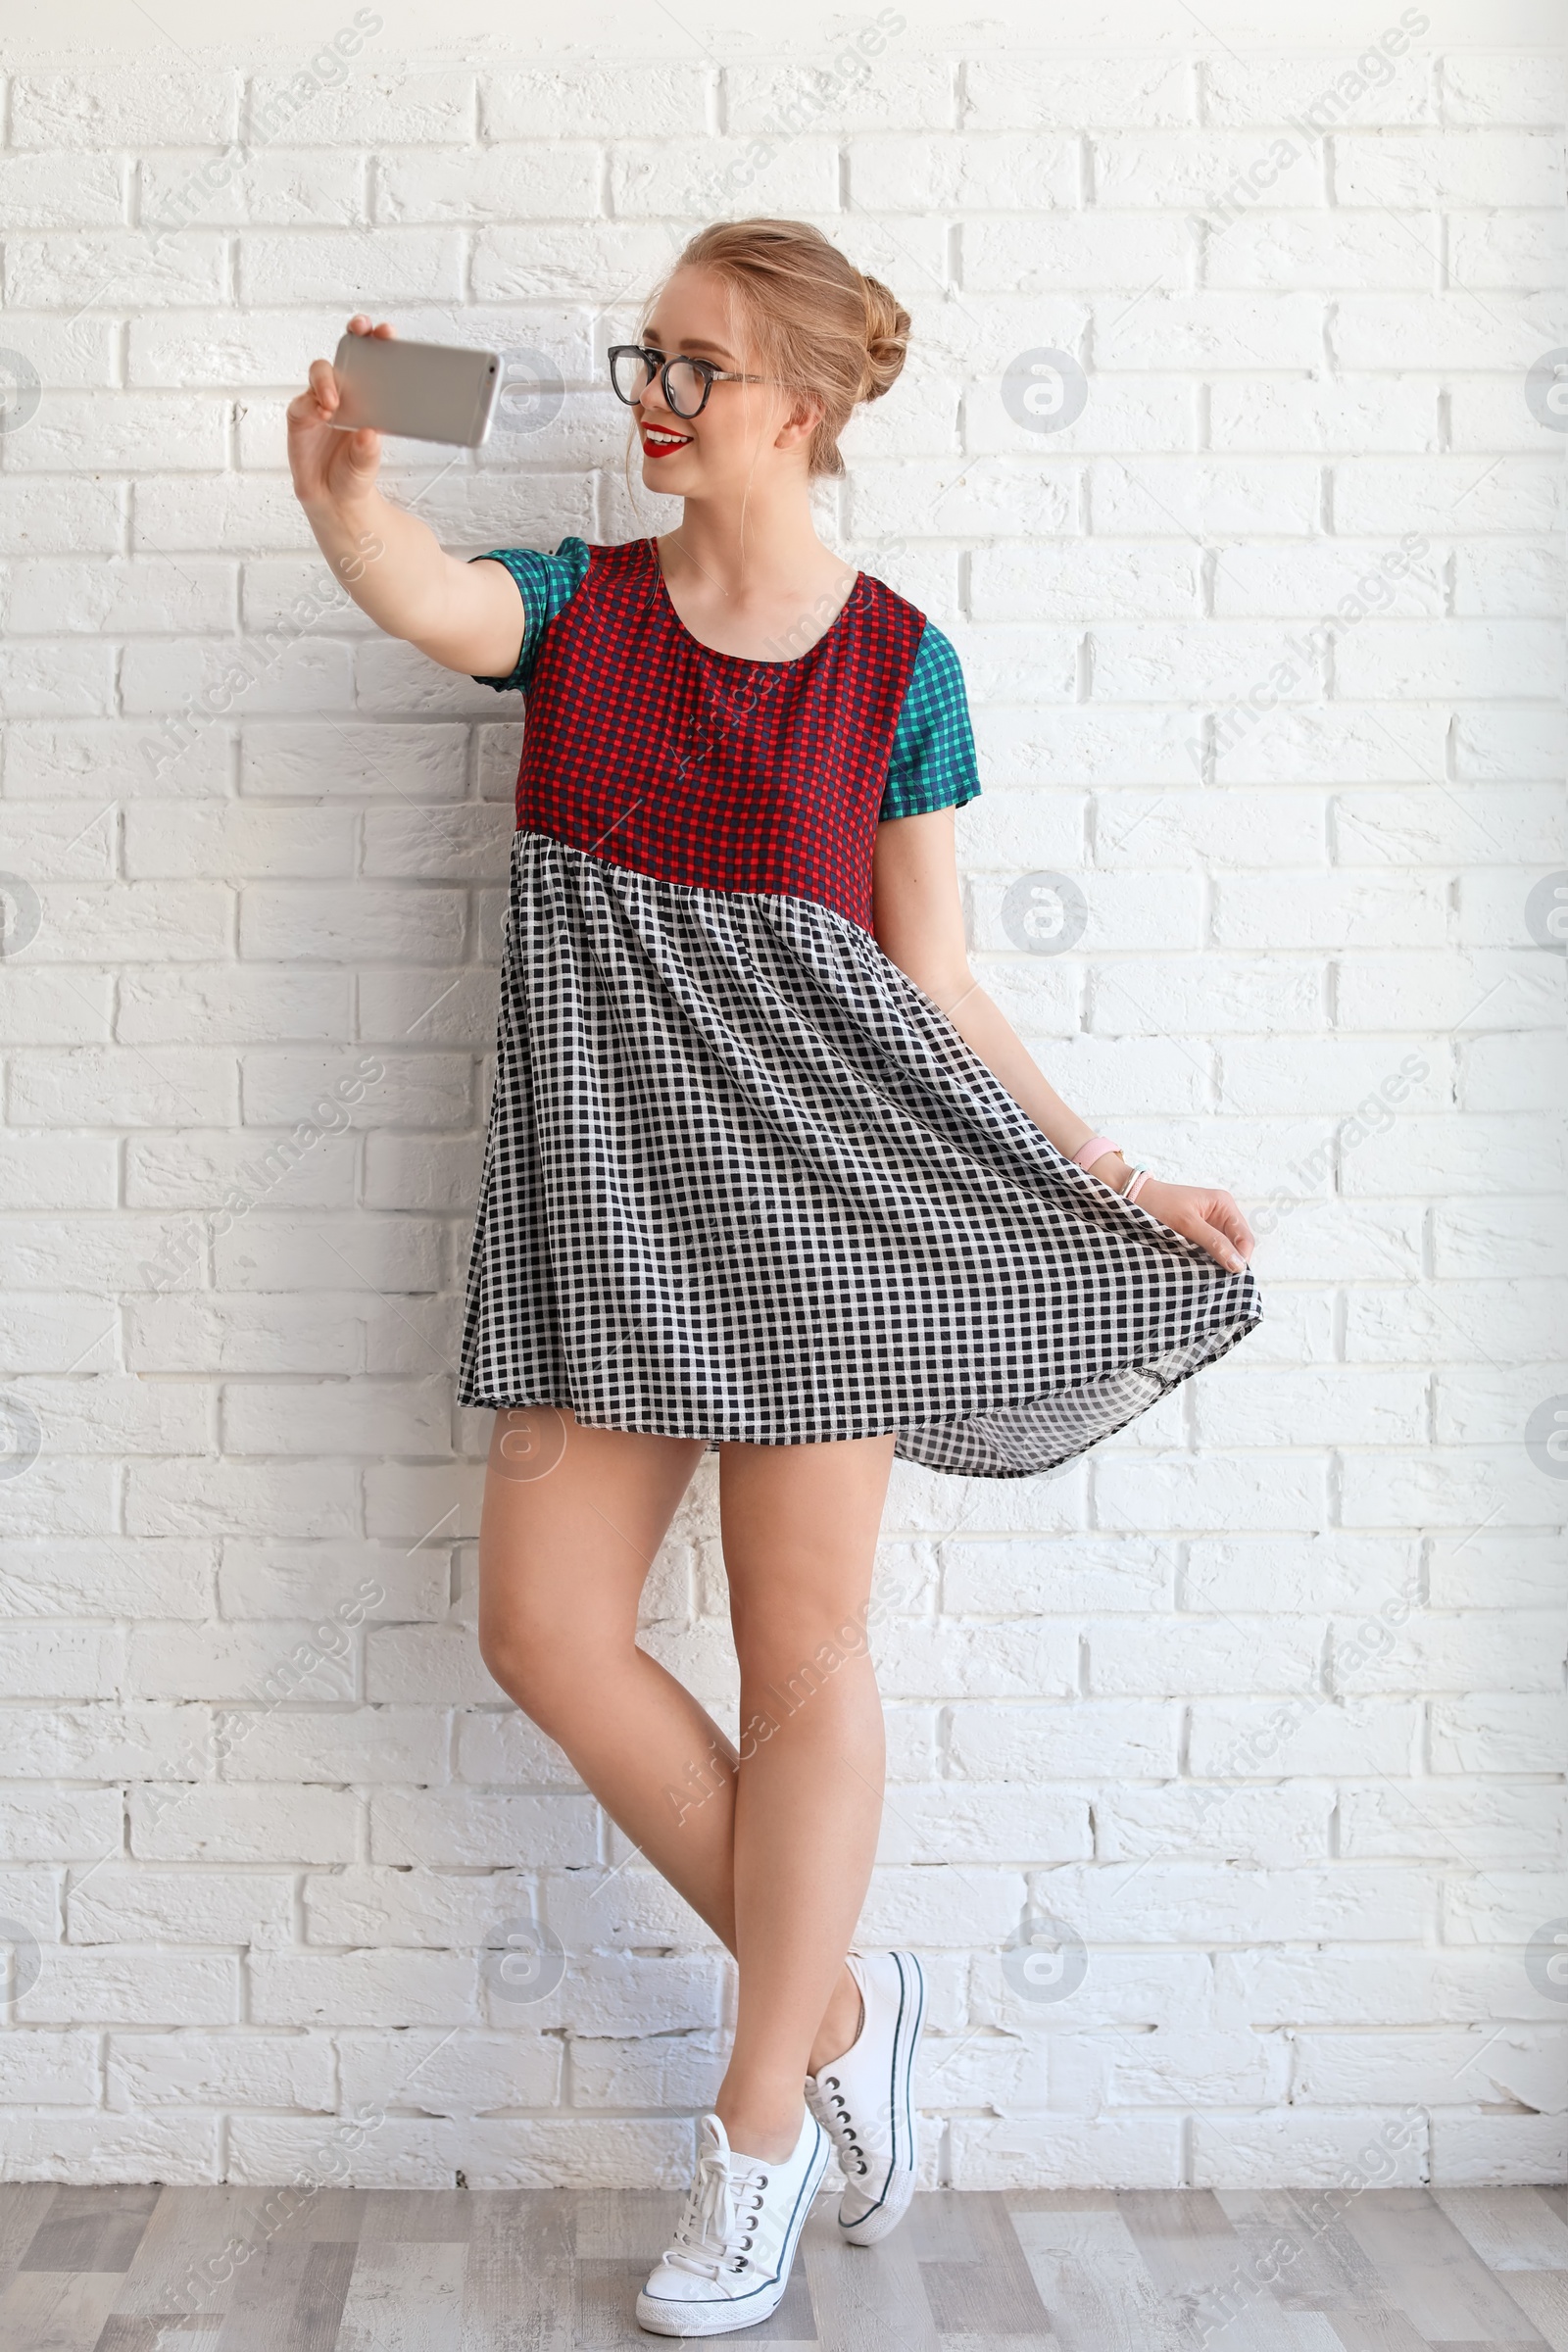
[419,391]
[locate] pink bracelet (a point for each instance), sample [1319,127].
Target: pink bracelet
[1136,1184]
[1094,1148]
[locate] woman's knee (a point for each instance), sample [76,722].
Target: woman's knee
[531,1652]
[792,1641]
[551,1654]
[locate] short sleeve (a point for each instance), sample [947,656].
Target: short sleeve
[933,762]
[546,584]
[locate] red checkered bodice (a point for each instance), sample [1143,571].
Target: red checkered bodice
[646,749]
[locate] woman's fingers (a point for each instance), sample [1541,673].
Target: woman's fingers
[1223,1213]
[322,381]
[1219,1244]
[364,449]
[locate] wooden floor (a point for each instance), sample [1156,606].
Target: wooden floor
[122,2270]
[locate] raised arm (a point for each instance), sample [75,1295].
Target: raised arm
[468,616]
[919,918]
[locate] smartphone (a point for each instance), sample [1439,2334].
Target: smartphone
[419,391]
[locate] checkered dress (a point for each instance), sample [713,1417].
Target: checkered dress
[743,1179]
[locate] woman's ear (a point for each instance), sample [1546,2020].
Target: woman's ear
[801,420]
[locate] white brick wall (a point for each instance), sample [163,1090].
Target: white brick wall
[1262,1701]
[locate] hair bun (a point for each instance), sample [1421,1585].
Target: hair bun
[887,338]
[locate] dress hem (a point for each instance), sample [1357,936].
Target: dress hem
[908,1428]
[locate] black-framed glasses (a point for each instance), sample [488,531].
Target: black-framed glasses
[685,383]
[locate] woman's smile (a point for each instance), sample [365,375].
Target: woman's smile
[659,440]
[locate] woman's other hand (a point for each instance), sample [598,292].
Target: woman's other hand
[1204,1215]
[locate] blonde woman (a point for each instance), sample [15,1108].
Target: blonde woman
[767,1171]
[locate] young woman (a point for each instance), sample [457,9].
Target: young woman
[766,1170]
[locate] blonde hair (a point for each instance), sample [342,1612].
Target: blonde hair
[815,324]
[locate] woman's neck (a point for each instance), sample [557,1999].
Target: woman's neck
[763,586]
[740,546]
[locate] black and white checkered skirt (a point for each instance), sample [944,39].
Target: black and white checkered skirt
[744,1179]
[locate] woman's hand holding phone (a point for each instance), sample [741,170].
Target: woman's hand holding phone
[331,469]
[468,616]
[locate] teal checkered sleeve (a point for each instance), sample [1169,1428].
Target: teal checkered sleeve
[547,584]
[933,762]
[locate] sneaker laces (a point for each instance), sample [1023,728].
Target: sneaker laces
[716,2229]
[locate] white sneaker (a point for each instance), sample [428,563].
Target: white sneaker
[729,2263]
[862,2099]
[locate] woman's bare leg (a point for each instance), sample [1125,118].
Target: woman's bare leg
[573,1517]
[800,1528]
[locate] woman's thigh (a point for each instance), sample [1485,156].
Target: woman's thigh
[800,1526]
[572,1520]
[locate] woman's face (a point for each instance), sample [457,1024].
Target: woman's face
[744,430]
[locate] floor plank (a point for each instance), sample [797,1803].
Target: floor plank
[151,2332]
[1431,2274]
[1542,2296]
[56,2311]
[989,2289]
[603,2307]
[518,2291]
[316,2216]
[1093,2283]
[1510,2228]
[1316,2264]
[417,2215]
[196,2243]
[1202,2271]
[22,2207]
[316,2319]
[864,2298]
[1380,2328]
[558,2270]
[266,2288]
[635,2222]
[401,2298]
[90,2229]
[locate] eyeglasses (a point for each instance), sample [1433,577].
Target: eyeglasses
[685,383]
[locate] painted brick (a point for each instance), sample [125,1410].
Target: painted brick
[1264,1695]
